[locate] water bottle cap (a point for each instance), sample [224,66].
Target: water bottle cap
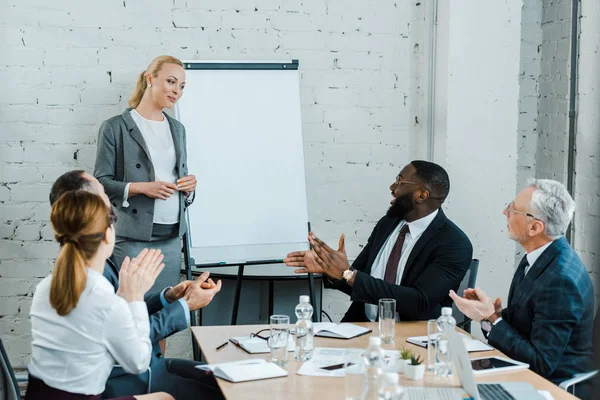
[304,299]
[374,341]
[446,311]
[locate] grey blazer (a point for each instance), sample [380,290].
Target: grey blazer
[123,157]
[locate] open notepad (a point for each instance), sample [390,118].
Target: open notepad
[339,331]
[246,370]
[471,344]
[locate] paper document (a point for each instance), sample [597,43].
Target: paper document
[245,370]
[256,345]
[339,331]
[330,362]
[471,344]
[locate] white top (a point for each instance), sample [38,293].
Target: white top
[158,138]
[416,229]
[76,352]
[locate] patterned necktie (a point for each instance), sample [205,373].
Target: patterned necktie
[518,278]
[391,268]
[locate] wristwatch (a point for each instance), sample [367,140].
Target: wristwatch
[348,274]
[486,327]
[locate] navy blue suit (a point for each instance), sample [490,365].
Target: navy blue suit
[549,317]
[176,377]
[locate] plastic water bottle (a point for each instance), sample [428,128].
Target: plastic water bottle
[443,363]
[304,330]
[374,363]
[390,388]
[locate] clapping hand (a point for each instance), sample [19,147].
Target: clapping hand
[137,276]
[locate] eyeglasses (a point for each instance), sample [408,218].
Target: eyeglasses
[402,182]
[510,209]
[258,334]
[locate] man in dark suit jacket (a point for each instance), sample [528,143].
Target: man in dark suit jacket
[548,321]
[415,254]
[169,313]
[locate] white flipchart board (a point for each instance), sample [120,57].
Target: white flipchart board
[244,144]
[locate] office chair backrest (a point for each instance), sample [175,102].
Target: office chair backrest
[9,389]
[469,281]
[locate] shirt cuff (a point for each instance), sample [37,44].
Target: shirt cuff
[163,299]
[126,196]
[186,310]
[498,320]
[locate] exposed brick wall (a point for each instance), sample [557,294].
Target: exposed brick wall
[587,160]
[67,65]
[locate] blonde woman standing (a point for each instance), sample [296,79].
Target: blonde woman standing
[142,163]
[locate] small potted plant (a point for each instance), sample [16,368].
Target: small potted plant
[415,369]
[405,355]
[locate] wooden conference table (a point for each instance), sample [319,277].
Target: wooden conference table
[311,387]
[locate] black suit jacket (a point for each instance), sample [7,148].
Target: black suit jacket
[548,321]
[437,263]
[164,321]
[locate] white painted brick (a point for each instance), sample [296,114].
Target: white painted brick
[9,306]
[11,36]
[18,173]
[14,287]
[106,95]
[71,57]
[113,56]
[62,96]
[47,232]
[16,113]
[37,193]
[4,193]
[15,212]
[183,18]
[33,250]
[27,232]
[11,152]
[44,153]
[22,96]
[18,16]
[360,61]
[303,40]
[79,77]
[7,230]
[42,37]
[50,173]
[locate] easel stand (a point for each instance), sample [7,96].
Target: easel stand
[190,263]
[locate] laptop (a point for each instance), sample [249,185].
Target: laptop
[482,391]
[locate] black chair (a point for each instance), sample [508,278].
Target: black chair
[570,384]
[10,386]
[468,281]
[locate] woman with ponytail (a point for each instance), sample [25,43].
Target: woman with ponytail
[80,327]
[142,163]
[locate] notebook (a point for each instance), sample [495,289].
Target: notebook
[246,370]
[339,331]
[472,345]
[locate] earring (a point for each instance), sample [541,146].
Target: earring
[149,85]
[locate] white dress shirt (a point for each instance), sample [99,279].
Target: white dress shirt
[531,259]
[416,229]
[158,138]
[76,352]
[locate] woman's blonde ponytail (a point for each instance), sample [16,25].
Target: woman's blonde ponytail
[138,92]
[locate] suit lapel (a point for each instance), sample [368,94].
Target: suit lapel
[431,231]
[536,269]
[135,132]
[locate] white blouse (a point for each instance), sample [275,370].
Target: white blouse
[77,352]
[158,138]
